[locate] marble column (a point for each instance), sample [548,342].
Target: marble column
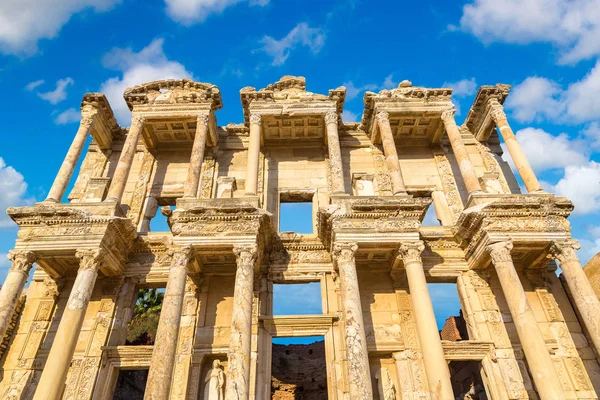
[514,148]
[119,178]
[238,369]
[335,154]
[354,326]
[467,171]
[253,155]
[22,261]
[190,190]
[57,365]
[391,154]
[162,363]
[583,294]
[436,366]
[442,211]
[65,172]
[537,356]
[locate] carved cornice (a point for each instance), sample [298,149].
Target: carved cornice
[173,91]
[22,260]
[500,252]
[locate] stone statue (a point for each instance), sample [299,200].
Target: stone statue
[214,382]
[385,383]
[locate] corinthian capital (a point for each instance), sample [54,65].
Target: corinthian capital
[500,252]
[22,260]
[344,252]
[382,116]
[87,123]
[331,117]
[411,251]
[245,254]
[89,258]
[181,256]
[565,251]
[202,119]
[497,111]
[255,118]
[138,121]
[448,115]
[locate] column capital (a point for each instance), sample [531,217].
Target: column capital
[497,111]
[564,251]
[382,116]
[500,252]
[203,118]
[411,251]
[448,115]
[22,260]
[181,256]
[331,117]
[89,259]
[86,122]
[255,118]
[245,253]
[138,121]
[344,251]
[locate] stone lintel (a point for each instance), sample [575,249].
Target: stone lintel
[298,325]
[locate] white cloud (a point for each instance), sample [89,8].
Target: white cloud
[572,26]
[59,94]
[545,151]
[302,34]
[188,12]
[13,190]
[592,134]
[538,98]
[147,65]
[462,88]
[24,22]
[389,82]
[590,245]
[4,261]
[32,85]
[68,116]
[581,184]
[349,116]
[352,90]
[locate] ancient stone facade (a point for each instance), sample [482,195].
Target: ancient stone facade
[370,184]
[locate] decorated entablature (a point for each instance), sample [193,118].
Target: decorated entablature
[479,121]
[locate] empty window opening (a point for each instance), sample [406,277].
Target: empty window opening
[466,380]
[131,384]
[446,306]
[431,218]
[154,218]
[298,368]
[141,330]
[296,212]
[297,299]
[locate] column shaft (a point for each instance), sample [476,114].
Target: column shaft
[583,294]
[354,327]
[192,182]
[22,261]
[391,154]
[57,365]
[121,174]
[162,363]
[65,172]
[436,366]
[238,370]
[442,211]
[514,148]
[465,165]
[253,155]
[538,358]
[335,154]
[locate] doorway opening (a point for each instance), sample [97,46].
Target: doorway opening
[131,384]
[298,368]
[467,382]
[141,330]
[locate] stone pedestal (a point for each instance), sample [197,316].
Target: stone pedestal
[514,148]
[460,152]
[65,172]
[190,190]
[165,345]
[354,327]
[583,294]
[22,261]
[391,154]
[121,173]
[335,154]
[538,358]
[436,366]
[238,369]
[253,155]
[57,365]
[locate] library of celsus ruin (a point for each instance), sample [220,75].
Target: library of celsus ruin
[96,267]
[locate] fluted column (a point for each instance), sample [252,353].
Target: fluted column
[119,178]
[190,190]
[65,172]
[162,363]
[335,154]
[354,326]
[253,155]
[391,154]
[538,358]
[583,294]
[436,366]
[22,261]
[238,369]
[467,171]
[514,148]
[57,365]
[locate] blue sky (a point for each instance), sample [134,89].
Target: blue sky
[52,52]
